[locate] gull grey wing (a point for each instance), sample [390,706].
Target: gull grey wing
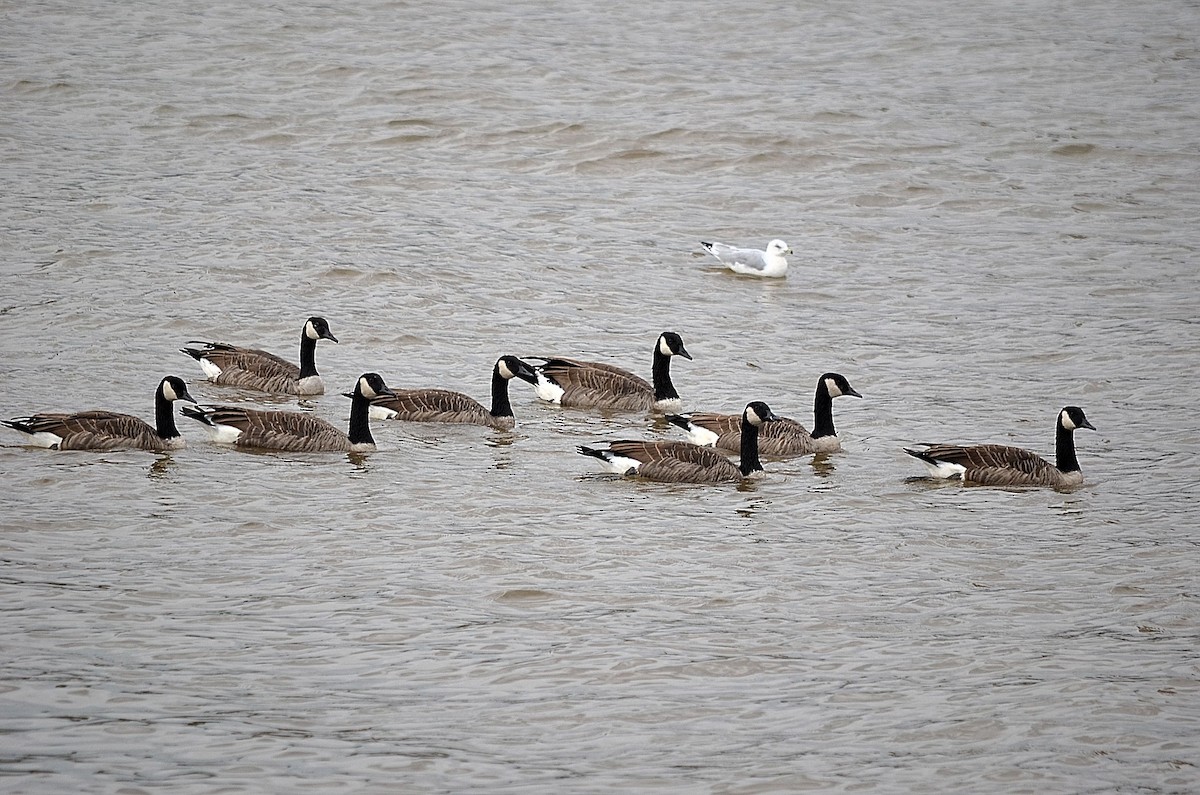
[730,255]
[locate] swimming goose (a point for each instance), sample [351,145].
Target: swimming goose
[787,437]
[752,261]
[251,368]
[578,384]
[443,405]
[108,430]
[682,462]
[1001,465]
[294,431]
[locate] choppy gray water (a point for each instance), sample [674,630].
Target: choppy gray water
[993,207]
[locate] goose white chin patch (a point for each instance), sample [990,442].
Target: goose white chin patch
[311,332]
[832,387]
[663,347]
[1065,419]
[169,391]
[505,373]
[365,387]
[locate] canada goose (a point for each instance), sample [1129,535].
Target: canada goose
[251,368]
[108,430]
[443,405]
[786,437]
[1001,465]
[752,261]
[294,431]
[578,384]
[682,462]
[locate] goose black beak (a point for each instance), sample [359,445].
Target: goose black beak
[1088,425]
[683,352]
[527,373]
[186,396]
[853,393]
[328,335]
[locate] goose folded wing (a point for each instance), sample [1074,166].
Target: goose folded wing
[253,360]
[991,458]
[430,405]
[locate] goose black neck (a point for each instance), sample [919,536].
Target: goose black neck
[360,419]
[308,355]
[749,462]
[663,388]
[823,412]
[164,417]
[1064,449]
[500,405]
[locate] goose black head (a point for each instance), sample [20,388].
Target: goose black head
[511,367]
[173,388]
[837,385]
[371,385]
[671,344]
[1072,417]
[317,328]
[757,413]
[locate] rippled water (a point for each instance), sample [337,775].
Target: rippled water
[993,208]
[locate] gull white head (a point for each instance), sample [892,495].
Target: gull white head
[777,248]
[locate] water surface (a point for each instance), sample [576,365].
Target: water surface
[993,212]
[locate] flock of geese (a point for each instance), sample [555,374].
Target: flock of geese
[571,383]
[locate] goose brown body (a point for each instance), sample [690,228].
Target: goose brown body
[253,368]
[595,385]
[294,431]
[575,383]
[677,462]
[682,462]
[109,430]
[1004,465]
[445,405]
[785,436]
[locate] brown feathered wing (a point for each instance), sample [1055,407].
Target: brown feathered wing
[678,462]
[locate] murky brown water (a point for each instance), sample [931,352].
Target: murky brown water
[993,209]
